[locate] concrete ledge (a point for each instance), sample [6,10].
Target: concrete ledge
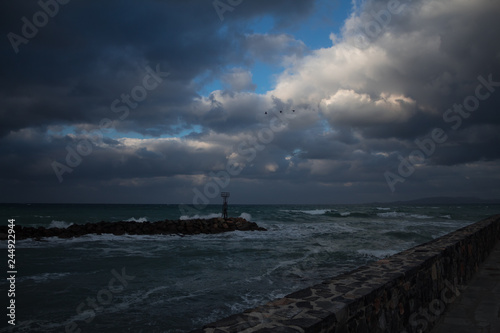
[406,292]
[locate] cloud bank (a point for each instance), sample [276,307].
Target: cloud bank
[117,87]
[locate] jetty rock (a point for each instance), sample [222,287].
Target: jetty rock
[166,227]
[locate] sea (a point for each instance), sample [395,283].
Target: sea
[174,283]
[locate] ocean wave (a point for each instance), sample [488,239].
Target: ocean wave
[315,211]
[344,228]
[59,224]
[246,216]
[245,301]
[383,208]
[380,254]
[348,214]
[105,238]
[40,278]
[328,212]
[403,215]
[140,219]
[307,211]
[406,235]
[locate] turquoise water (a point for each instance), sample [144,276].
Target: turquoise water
[170,283]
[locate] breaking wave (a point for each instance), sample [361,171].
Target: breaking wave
[59,224]
[403,215]
[140,219]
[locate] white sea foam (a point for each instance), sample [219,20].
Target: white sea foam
[307,211]
[403,215]
[105,238]
[420,216]
[315,211]
[345,228]
[46,277]
[59,224]
[246,216]
[125,237]
[137,297]
[140,219]
[383,208]
[345,213]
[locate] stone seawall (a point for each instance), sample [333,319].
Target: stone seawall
[406,292]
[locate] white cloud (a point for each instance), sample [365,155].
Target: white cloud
[157,144]
[272,167]
[275,48]
[238,79]
[351,108]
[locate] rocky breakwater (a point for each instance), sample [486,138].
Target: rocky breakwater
[167,227]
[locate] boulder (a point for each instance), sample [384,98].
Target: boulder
[183,227]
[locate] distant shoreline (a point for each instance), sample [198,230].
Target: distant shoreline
[419,201]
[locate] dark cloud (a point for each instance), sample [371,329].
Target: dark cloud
[359,109]
[95,51]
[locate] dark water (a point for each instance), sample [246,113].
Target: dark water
[174,284]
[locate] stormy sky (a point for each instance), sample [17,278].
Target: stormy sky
[310,101]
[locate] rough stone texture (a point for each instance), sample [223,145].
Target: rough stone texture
[477,308]
[182,227]
[406,292]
